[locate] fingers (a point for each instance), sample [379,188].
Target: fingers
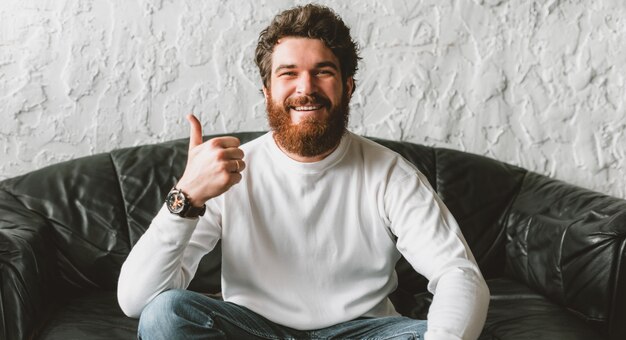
[232,153]
[225,142]
[234,179]
[195,131]
[237,166]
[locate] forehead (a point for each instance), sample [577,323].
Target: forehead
[302,53]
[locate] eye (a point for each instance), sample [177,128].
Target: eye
[326,72]
[287,74]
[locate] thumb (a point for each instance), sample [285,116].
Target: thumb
[195,131]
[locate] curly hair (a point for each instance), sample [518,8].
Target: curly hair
[309,21]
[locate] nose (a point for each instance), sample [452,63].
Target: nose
[306,84]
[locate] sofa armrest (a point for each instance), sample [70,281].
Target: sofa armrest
[26,269]
[568,244]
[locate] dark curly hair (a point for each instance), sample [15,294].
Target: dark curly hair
[309,21]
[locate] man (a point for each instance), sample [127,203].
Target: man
[313,227]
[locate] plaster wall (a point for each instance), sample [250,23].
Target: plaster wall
[540,84]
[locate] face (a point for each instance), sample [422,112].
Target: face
[307,101]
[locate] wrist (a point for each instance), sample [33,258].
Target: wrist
[192,197]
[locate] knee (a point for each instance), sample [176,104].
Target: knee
[163,315]
[166,303]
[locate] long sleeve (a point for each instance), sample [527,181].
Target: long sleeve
[165,257]
[431,241]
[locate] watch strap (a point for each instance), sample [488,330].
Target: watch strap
[192,212]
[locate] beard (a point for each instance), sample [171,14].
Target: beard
[312,136]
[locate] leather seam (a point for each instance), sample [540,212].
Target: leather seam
[123,201]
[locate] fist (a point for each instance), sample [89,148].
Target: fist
[212,167]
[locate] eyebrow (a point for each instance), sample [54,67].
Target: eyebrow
[318,65]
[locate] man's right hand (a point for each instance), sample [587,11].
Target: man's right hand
[212,167]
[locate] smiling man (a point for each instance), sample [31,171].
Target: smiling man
[312,218]
[307,99]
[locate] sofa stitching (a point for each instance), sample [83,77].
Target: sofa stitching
[123,201]
[506,216]
[613,322]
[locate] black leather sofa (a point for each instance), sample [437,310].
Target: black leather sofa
[553,254]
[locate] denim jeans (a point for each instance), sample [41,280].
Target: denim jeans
[182,314]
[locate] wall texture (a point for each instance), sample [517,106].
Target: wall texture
[540,84]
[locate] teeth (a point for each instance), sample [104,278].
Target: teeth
[307,108]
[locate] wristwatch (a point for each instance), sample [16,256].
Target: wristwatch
[178,203]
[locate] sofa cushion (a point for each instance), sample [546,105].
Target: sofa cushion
[518,313]
[93,316]
[515,312]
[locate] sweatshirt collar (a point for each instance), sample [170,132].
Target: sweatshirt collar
[312,167]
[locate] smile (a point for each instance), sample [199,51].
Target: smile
[307,108]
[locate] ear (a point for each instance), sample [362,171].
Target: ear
[265,94]
[350,86]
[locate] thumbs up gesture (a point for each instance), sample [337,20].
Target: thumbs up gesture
[212,167]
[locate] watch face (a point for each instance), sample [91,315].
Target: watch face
[175,201]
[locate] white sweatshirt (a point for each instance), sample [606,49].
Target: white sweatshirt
[310,245]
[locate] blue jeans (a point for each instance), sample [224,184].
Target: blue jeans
[183,314]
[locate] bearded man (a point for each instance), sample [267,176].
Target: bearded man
[312,229]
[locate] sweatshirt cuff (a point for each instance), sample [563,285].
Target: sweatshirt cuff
[173,229]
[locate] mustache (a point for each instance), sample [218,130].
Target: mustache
[305,100]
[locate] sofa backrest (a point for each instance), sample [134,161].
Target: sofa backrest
[568,243]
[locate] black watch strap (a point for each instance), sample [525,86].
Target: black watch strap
[192,211]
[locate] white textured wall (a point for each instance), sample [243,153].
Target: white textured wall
[540,84]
